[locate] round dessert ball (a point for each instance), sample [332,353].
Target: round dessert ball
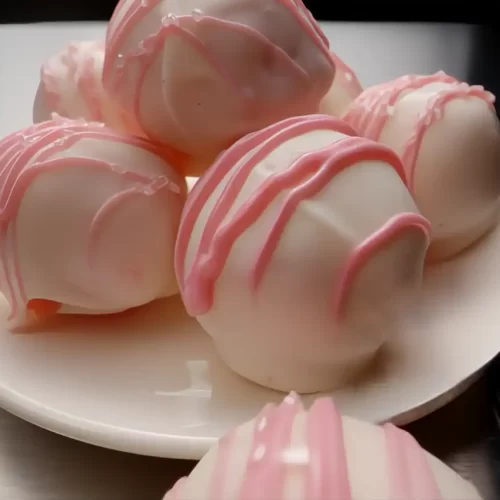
[70,86]
[448,137]
[288,453]
[297,252]
[345,88]
[199,74]
[88,220]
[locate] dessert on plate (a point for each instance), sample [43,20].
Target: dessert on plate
[70,86]
[289,453]
[199,74]
[89,219]
[301,235]
[448,137]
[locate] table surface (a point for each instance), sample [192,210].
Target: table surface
[37,465]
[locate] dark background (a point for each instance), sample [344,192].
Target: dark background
[21,11]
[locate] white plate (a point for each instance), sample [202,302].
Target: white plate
[149,382]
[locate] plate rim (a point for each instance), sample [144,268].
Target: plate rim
[162,445]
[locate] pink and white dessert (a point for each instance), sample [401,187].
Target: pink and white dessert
[305,236]
[345,88]
[199,74]
[448,137]
[70,86]
[288,453]
[88,221]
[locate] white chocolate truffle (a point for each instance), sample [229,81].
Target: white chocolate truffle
[199,74]
[345,88]
[298,250]
[70,86]
[89,220]
[287,453]
[447,135]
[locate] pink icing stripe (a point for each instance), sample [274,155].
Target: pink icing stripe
[219,236]
[234,187]
[151,47]
[287,129]
[223,461]
[312,22]
[318,168]
[80,68]
[361,255]
[277,133]
[257,37]
[328,475]
[147,187]
[89,90]
[225,446]
[267,466]
[369,113]
[118,31]
[119,68]
[434,112]
[324,462]
[46,139]
[346,76]
[19,188]
[410,475]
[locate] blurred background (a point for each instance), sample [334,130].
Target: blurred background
[22,11]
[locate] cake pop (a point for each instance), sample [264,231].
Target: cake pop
[70,86]
[447,135]
[199,74]
[288,453]
[298,250]
[88,220]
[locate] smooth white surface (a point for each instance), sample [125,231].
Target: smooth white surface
[153,385]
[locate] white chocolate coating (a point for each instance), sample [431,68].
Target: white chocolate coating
[345,88]
[298,250]
[199,74]
[70,86]
[287,453]
[89,220]
[448,137]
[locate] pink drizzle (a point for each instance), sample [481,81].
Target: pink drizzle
[266,468]
[80,69]
[328,476]
[203,189]
[323,464]
[119,31]
[369,114]
[306,177]
[44,140]
[377,241]
[117,65]
[346,77]
[411,477]
[224,448]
